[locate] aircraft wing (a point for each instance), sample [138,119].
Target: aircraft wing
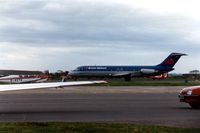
[14,87]
[121,74]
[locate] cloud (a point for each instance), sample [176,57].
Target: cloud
[49,22]
[70,33]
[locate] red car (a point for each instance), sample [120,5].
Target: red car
[191,95]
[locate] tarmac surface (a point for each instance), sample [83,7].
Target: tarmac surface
[138,105]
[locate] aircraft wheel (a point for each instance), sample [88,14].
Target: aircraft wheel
[127,78]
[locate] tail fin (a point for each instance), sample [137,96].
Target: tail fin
[171,60]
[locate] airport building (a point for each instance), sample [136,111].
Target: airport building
[194,75]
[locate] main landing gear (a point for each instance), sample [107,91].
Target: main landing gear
[127,78]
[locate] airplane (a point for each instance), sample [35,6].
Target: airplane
[18,79]
[16,87]
[127,72]
[22,76]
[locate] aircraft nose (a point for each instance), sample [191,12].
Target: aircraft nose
[71,73]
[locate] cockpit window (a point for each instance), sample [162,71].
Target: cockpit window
[81,68]
[77,69]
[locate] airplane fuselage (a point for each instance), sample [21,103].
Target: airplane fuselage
[18,79]
[127,71]
[119,71]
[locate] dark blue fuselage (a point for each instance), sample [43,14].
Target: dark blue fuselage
[161,69]
[127,71]
[119,71]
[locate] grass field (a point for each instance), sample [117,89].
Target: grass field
[146,82]
[152,83]
[88,128]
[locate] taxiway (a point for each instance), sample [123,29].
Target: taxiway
[140,105]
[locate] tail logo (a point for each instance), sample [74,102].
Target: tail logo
[169,62]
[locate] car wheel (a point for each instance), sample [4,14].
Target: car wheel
[195,106]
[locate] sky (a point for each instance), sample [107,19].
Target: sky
[63,34]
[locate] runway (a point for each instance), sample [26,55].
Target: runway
[139,105]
